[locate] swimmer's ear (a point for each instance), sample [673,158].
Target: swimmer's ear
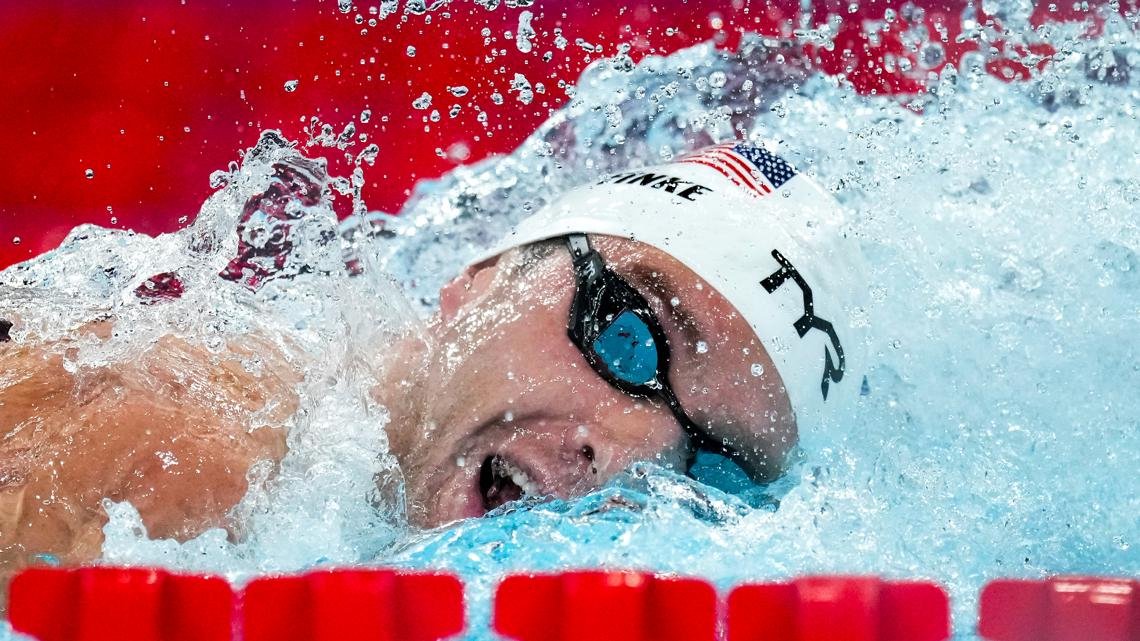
[466,286]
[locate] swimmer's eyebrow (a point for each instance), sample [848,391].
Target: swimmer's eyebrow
[656,286]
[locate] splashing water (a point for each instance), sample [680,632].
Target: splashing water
[284,276]
[1000,436]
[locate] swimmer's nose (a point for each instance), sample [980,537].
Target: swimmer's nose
[587,455]
[589,476]
[580,457]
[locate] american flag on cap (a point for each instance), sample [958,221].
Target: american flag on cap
[754,169]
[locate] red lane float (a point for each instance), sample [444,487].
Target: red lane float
[605,606]
[353,605]
[141,604]
[117,604]
[839,609]
[1061,609]
[138,604]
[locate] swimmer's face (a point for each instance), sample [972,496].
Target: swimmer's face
[500,403]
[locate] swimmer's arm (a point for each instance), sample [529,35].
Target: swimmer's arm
[174,431]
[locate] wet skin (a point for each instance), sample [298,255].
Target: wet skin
[492,401]
[174,431]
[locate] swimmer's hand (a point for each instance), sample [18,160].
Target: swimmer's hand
[174,431]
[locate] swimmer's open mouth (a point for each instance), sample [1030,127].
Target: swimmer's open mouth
[501,481]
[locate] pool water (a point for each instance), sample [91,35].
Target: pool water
[1000,433]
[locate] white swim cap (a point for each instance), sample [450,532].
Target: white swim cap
[767,238]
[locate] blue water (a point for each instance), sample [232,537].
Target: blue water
[1000,437]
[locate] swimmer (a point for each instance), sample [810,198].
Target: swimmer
[706,304]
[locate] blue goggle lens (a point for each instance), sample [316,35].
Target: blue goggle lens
[628,350]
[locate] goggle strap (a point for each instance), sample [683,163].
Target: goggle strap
[588,264]
[579,246]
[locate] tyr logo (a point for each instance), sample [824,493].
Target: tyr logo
[809,321]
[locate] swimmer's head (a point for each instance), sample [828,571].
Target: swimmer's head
[765,236]
[504,402]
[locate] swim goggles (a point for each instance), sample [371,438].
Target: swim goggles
[622,339]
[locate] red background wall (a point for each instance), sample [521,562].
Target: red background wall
[154,95]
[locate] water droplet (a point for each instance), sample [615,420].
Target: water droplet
[411,51]
[345,6]
[15,240]
[459,152]
[702,347]
[368,154]
[365,115]
[613,115]
[757,370]
[522,86]
[90,173]
[525,33]
[497,98]
[674,301]
[458,91]
[423,102]
[931,55]
[717,79]
[291,85]
[585,45]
